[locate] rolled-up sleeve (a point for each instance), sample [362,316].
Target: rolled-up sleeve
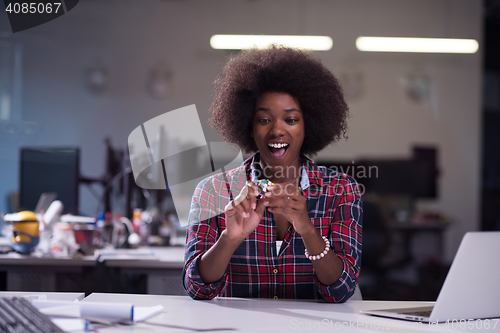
[202,233]
[346,240]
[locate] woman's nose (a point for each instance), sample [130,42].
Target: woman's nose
[277,128]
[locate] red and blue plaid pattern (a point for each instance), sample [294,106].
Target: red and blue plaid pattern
[256,268]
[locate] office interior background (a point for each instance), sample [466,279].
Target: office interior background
[90,75]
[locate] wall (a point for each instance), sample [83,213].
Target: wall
[128,38]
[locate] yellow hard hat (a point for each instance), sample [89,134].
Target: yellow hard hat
[25,216]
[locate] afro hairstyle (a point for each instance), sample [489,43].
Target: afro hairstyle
[253,72]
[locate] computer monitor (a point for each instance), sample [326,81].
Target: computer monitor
[425,166]
[416,177]
[54,170]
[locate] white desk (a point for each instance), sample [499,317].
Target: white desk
[262,315]
[50,296]
[31,273]
[166,258]
[164,274]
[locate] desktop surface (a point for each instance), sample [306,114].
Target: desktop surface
[48,295]
[14,258]
[182,313]
[162,267]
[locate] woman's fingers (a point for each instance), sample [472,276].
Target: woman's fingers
[289,190]
[280,210]
[242,195]
[277,201]
[253,193]
[284,206]
[282,203]
[245,201]
[284,199]
[284,196]
[261,207]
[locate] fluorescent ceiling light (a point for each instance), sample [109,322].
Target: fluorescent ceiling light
[238,42]
[420,45]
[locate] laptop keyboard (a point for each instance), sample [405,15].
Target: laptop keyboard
[19,315]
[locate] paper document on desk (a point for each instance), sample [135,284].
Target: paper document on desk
[108,311]
[142,313]
[71,324]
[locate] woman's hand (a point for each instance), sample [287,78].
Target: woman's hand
[243,214]
[289,201]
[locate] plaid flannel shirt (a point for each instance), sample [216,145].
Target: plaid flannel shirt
[257,269]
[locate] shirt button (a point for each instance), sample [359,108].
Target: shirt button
[275,271]
[275,297]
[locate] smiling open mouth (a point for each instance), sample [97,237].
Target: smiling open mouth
[278,149]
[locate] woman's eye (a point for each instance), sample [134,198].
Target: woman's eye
[292,121]
[263,121]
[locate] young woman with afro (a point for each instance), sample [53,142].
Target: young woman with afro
[300,237]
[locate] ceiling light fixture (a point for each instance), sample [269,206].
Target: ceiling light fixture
[238,42]
[419,45]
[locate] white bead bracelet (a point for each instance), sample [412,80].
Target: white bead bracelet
[322,254]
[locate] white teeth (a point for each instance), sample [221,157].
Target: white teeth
[277,145]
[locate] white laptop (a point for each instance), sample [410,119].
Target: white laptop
[471,289]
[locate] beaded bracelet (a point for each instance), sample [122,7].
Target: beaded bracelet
[322,254]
